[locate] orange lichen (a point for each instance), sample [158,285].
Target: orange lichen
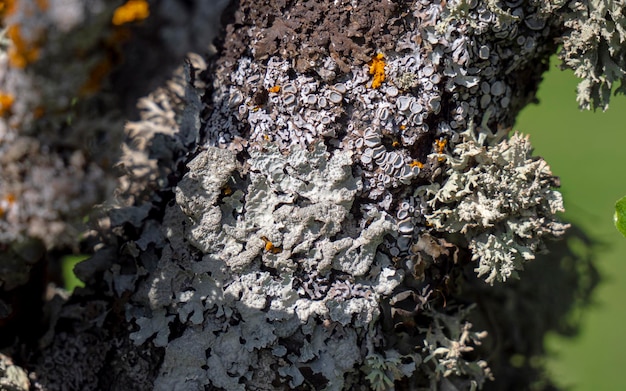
[377,68]
[4,6]
[274,89]
[131,11]
[21,53]
[28,38]
[7,7]
[441,145]
[6,102]
[402,127]
[395,143]
[417,164]
[6,203]
[269,246]
[227,190]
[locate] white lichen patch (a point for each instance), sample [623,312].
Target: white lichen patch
[501,198]
[266,230]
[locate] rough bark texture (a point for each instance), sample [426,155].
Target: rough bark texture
[328,198]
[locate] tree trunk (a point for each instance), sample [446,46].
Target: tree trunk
[328,198]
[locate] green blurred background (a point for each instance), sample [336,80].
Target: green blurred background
[586,150]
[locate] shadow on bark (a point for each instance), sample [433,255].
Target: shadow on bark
[549,298]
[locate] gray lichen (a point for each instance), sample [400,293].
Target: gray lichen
[593,46]
[501,198]
[382,372]
[66,71]
[295,234]
[447,342]
[12,377]
[297,211]
[265,231]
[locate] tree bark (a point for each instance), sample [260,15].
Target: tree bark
[327,198]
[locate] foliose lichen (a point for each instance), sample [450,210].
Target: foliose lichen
[593,46]
[12,377]
[501,198]
[255,298]
[448,341]
[383,372]
[66,73]
[313,228]
[293,214]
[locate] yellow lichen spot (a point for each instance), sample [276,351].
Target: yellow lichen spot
[6,203]
[227,190]
[417,164]
[441,145]
[395,143]
[377,68]
[274,89]
[402,127]
[269,246]
[6,102]
[266,137]
[21,53]
[131,11]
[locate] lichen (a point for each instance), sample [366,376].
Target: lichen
[77,360]
[377,70]
[300,202]
[131,11]
[12,377]
[279,223]
[448,342]
[501,198]
[320,31]
[383,371]
[593,46]
[294,238]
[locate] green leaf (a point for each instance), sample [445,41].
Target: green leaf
[620,215]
